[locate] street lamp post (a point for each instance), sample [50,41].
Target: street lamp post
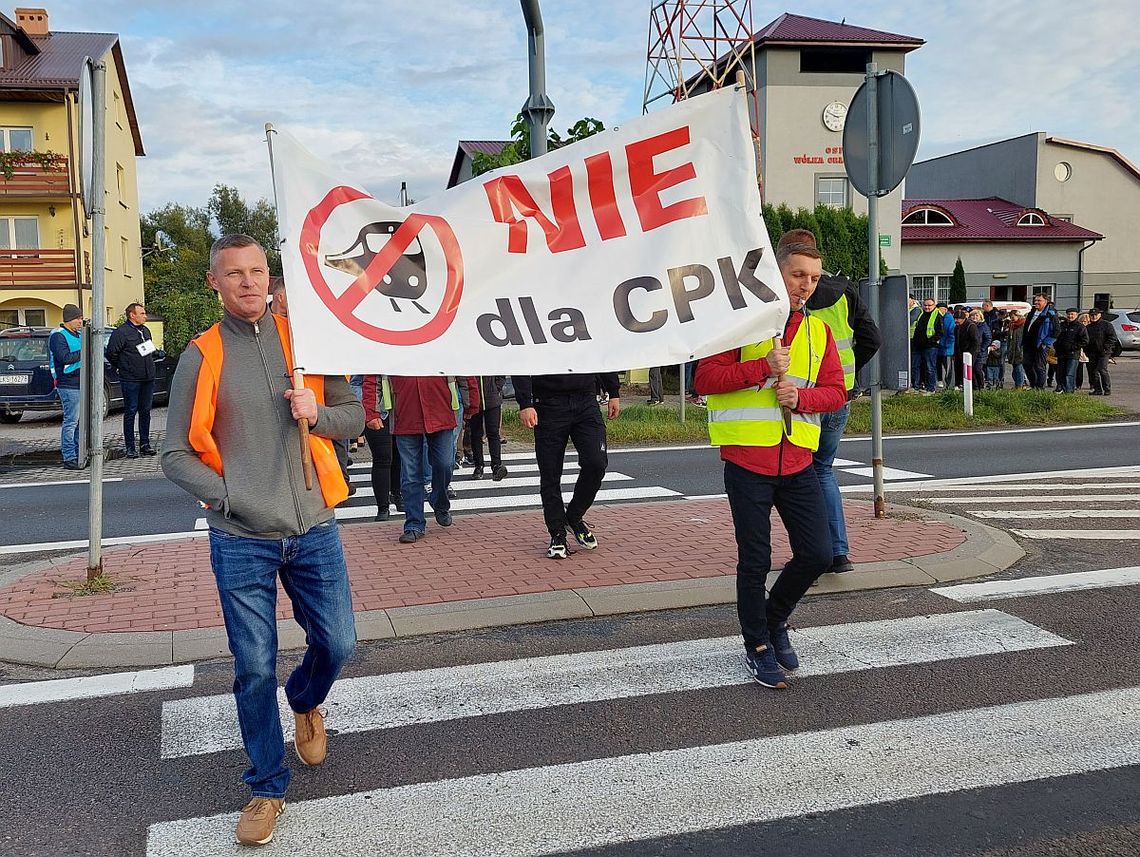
[538,109]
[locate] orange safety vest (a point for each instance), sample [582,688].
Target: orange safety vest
[201,437]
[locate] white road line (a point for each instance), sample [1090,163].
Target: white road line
[1036,498]
[889,473]
[487,484]
[1045,585]
[1081,535]
[78,544]
[514,468]
[388,701]
[1041,490]
[89,687]
[1052,514]
[988,480]
[518,501]
[603,802]
[572,453]
[59,482]
[991,433]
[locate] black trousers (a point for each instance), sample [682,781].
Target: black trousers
[799,501]
[382,447]
[487,422]
[577,419]
[1098,373]
[1035,366]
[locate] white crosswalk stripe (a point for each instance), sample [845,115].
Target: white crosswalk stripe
[1081,535]
[547,810]
[384,702]
[1052,514]
[1048,584]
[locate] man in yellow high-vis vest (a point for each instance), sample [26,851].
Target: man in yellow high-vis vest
[837,304]
[766,464]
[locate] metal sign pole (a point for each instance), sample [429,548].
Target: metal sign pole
[538,109]
[98,318]
[873,286]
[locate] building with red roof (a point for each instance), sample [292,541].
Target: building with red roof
[1075,182]
[1009,251]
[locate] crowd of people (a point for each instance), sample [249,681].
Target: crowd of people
[1042,348]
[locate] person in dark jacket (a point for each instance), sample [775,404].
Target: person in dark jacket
[946,347]
[1103,344]
[985,337]
[1072,336]
[563,408]
[378,407]
[1040,331]
[968,342]
[487,422]
[926,341]
[64,345]
[1014,354]
[132,353]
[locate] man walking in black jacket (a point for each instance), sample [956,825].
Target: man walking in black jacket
[132,353]
[1071,338]
[926,340]
[1103,343]
[563,408]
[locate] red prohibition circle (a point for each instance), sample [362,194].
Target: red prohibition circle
[344,306]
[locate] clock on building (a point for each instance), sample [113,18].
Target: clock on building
[834,116]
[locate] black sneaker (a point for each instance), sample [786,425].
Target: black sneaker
[451,495]
[583,535]
[398,502]
[840,564]
[70,464]
[477,473]
[782,646]
[443,519]
[557,549]
[762,664]
[498,472]
[148,450]
[409,537]
[131,453]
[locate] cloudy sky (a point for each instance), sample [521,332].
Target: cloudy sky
[387,87]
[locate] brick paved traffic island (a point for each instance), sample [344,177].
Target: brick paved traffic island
[168,586]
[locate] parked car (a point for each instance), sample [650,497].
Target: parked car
[1127,324]
[26,382]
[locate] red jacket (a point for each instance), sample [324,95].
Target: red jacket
[724,373]
[423,403]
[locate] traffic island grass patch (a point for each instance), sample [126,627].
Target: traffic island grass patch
[100,585]
[911,412]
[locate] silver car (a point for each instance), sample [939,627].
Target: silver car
[1127,326]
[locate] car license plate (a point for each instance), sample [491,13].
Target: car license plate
[15,379]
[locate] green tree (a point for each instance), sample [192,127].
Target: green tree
[840,233]
[174,270]
[958,284]
[518,149]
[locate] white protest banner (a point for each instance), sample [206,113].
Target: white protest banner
[639,246]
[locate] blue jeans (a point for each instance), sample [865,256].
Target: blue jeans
[831,430]
[69,433]
[441,452]
[993,376]
[929,366]
[314,576]
[1019,379]
[1067,374]
[799,501]
[137,399]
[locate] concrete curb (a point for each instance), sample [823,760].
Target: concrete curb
[985,551]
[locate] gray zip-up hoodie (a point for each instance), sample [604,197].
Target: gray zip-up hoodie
[262,493]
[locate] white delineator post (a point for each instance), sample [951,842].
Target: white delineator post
[968,382]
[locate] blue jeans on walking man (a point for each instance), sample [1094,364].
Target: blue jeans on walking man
[137,399]
[441,453]
[69,433]
[832,427]
[315,577]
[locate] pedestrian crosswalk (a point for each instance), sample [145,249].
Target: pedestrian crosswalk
[1041,506]
[600,801]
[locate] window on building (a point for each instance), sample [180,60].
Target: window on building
[19,233]
[927,217]
[121,182]
[834,60]
[15,139]
[934,286]
[23,317]
[9,318]
[118,110]
[1031,218]
[125,253]
[1046,289]
[831,191]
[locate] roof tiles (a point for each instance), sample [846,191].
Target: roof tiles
[988,219]
[798,28]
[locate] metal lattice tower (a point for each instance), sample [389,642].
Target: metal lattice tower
[698,45]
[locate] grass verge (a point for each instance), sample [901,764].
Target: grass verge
[641,425]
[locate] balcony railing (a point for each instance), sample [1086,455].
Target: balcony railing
[31,179]
[37,269]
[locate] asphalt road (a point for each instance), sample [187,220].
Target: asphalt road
[46,512]
[90,777]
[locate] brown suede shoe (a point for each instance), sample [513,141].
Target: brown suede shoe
[258,819]
[312,743]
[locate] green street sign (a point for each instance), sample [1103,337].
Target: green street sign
[884,240]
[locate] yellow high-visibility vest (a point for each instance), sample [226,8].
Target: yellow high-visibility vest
[752,417]
[837,318]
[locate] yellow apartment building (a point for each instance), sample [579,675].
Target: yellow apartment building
[45,233]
